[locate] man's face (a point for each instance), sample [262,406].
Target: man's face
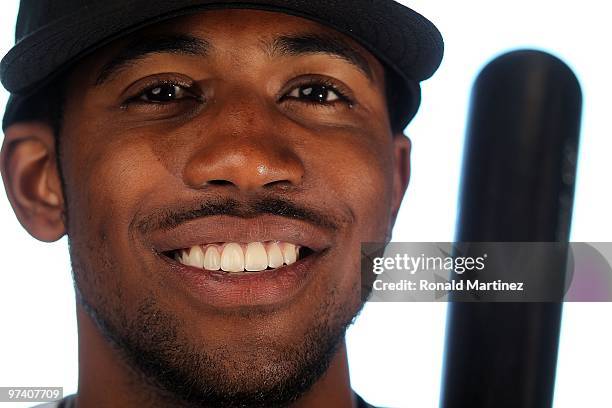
[227,127]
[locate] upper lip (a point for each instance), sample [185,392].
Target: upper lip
[218,229]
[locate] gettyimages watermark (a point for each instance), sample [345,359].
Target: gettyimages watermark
[487,272]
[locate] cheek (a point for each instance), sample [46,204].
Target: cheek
[354,171]
[107,185]
[358,172]
[110,182]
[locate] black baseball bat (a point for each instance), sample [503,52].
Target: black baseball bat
[517,186]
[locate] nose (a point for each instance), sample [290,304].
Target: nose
[254,160]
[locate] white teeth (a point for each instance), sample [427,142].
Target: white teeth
[255,257]
[212,259]
[289,253]
[232,258]
[195,257]
[275,256]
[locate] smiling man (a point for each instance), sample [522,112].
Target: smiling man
[215,166]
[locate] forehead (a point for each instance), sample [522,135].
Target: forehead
[239,26]
[239,30]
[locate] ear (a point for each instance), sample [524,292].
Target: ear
[401,172]
[31,179]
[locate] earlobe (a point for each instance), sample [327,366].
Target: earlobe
[401,172]
[31,179]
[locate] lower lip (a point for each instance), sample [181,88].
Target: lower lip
[222,290]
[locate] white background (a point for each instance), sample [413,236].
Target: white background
[396,350]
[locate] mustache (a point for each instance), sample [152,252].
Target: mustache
[165,219]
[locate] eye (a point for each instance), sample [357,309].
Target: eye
[165,93]
[163,96]
[317,93]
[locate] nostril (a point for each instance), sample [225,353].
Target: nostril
[220,183]
[279,184]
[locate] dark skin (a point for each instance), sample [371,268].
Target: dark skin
[239,124]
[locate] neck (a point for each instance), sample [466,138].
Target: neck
[106,380]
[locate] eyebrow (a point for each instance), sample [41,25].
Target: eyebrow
[302,44]
[182,44]
[143,47]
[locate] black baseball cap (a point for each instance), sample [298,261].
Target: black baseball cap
[52,35]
